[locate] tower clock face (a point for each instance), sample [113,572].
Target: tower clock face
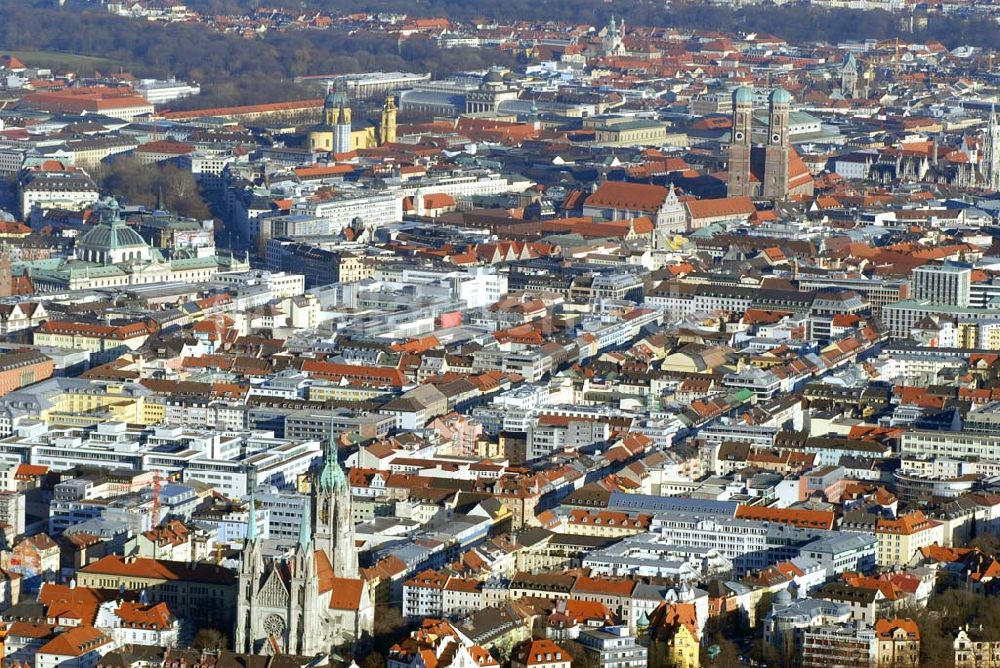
[739,136]
[776,138]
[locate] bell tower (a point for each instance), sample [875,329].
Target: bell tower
[387,127]
[775,184]
[991,152]
[739,144]
[333,515]
[849,77]
[249,576]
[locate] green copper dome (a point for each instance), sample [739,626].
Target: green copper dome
[743,95]
[781,96]
[336,96]
[112,234]
[112,237]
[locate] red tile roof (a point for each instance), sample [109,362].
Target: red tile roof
[715,208]
[542,652]
[794,516]
[631,196]
[76,641]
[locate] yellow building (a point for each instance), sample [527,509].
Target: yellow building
[98,401]
[202,591]
[387,127]
[352,268]
[974,652]
[988,336]
[673,636]
[898,643]
[92,151]
[968,333]
[487,448]
[899,539]
[154,411]
[331,391]
[639,132]
[700,360]
[335,134]
[110,340]
[605,523]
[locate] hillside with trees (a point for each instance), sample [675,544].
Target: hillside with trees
[797,22]
[238,70]
[232,69]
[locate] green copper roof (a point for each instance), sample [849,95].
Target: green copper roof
[332,476]
[112,233]
[336,96]
[193,262]
[781,96]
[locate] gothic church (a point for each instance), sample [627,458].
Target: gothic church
[313,601]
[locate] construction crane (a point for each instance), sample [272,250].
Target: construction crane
[156,497]
[894,44]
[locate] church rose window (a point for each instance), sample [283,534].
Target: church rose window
[274,626]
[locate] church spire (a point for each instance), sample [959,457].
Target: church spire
[333,516]
[252,519]
[305,527]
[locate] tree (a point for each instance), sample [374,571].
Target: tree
[949,611]
[764,653]
[210,639]
[389,621]
[180,192]
[989,543]
[581,658]
[503,649]
[128,179]
[729,654]
[390,628]
[374,660]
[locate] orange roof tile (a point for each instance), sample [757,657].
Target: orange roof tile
[794,516]
[631,196]
[714,208]
[76,641]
